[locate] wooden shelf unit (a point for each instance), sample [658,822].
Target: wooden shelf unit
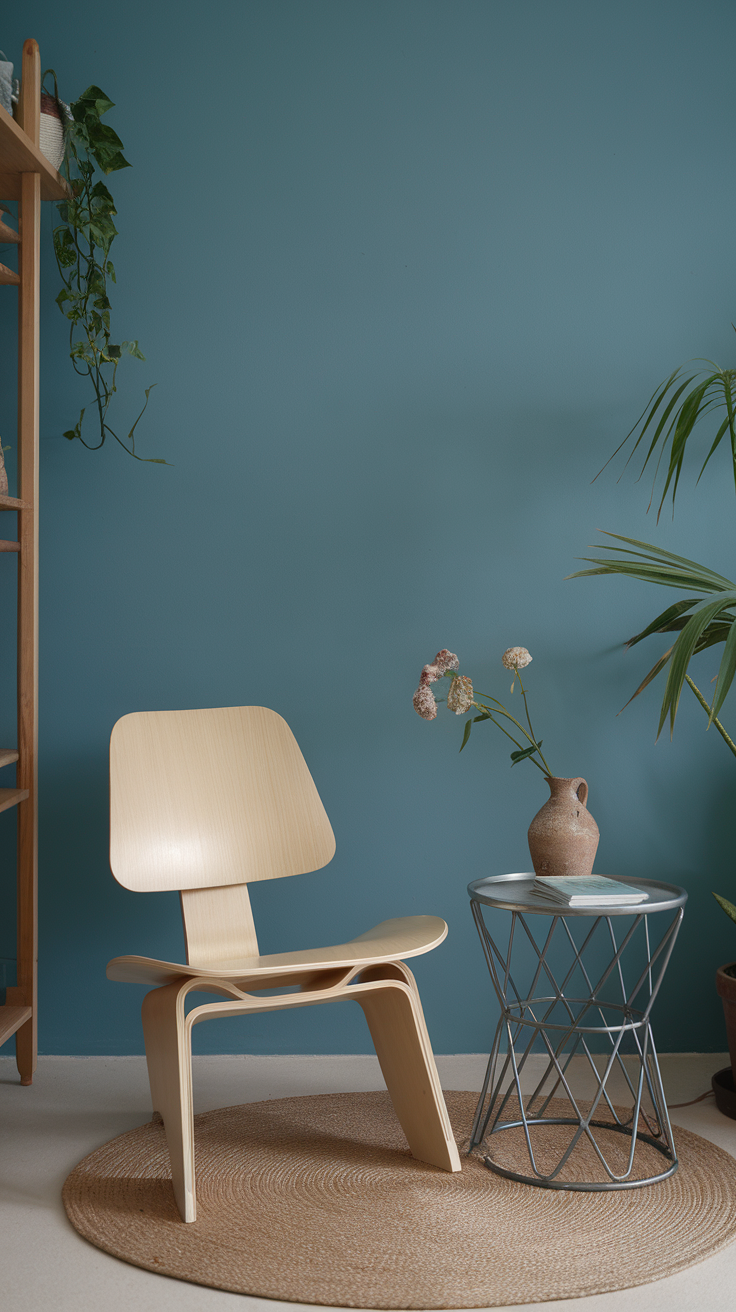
[28,178]
[11,1019]
[11,797]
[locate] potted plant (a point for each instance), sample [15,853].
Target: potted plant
[706,616]
[563,836]
[723,1087]
[82,244]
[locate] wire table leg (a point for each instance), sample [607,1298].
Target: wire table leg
[564,1025]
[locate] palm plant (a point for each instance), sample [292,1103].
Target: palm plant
[709,617]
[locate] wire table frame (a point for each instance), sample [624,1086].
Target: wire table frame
[594,952]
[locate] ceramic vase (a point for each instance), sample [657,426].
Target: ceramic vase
[563,836]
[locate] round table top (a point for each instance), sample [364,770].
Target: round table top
[516,893]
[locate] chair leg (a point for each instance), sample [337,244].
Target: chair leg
[396,1022]
[169,1058]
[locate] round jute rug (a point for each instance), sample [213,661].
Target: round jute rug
[317,1200]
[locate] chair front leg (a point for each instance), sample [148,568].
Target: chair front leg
[396,1021]
[169,1059]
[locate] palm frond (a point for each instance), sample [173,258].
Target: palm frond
[673,412]
[726,673]
[670,620]
[654,565]
[684,649]
[655,670]
[701,621]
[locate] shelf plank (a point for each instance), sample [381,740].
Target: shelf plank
[5,545]
[8,278]
[11,1019]
[8,234]
[19,156]
[13,503]
[11,797]
[7,756]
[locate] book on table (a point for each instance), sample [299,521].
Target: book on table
[588,891]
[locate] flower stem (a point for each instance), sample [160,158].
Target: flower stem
[529,722]
[490,713]
[487,695]
[727,740]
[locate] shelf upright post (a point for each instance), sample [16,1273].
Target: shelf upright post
[28,433]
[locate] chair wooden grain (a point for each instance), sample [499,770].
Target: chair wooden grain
[206,802]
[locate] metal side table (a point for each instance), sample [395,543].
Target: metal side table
[587,949]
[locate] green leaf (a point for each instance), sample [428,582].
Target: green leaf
[132,348]
[662,623]
[466,734]
[726,673]
[659,665]
[663,421]
[727,423]
[689,573]
[728,907]
[682,651]
[92,97]
[101,196]
[522,755]
[76,431]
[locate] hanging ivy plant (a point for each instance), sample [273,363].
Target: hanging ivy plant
[82,245]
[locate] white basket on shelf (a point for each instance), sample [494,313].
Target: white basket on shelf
[52,134]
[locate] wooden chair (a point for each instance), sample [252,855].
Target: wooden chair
[205,802]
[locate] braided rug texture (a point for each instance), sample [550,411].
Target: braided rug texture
[317,1200]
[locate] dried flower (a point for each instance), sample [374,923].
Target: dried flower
[515,658]
[460,695]
[446,660]
[424,702]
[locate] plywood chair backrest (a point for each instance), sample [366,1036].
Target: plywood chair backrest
[205,798]
[218,925]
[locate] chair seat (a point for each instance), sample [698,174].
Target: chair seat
[392,940]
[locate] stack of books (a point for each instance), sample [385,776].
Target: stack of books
[587,891]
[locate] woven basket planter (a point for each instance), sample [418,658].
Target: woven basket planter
[51,140]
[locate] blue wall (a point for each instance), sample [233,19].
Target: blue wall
[404,272]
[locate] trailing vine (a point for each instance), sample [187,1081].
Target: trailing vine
[82,245]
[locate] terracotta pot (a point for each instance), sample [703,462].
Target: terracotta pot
[563,836]
[726,985]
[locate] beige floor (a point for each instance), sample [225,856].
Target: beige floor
[75,1104]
